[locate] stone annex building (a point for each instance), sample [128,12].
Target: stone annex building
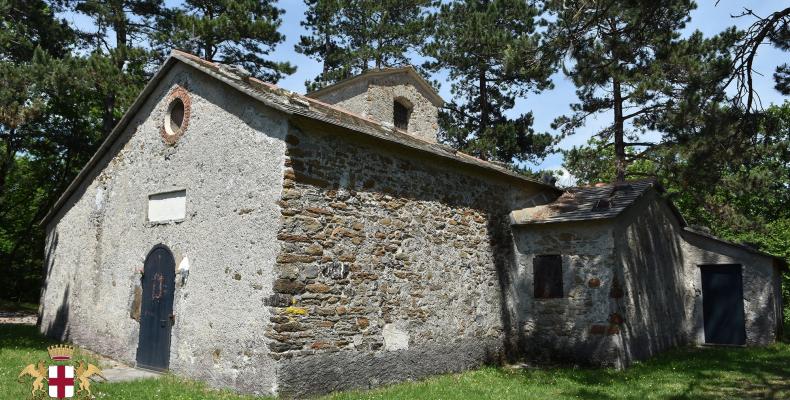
[234,232]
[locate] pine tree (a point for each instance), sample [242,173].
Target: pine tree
[242,33]
[29,24]
[493,55]
[119,57]
[34,161]
[774,29]
[351,36]
[628,59]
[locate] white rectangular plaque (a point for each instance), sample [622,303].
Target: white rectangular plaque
[170,206]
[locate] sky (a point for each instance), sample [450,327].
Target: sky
[709,18]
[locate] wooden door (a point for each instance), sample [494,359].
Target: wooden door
[156,313]
[722,304]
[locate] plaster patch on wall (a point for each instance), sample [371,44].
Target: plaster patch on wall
[395,338]
[169,206]
[99,201]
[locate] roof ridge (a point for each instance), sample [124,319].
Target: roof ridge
[435,98]
[606,184]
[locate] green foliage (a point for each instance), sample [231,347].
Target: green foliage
[228,31]
[628,59]
[493,54]
[28,24]
[44,144]
[350,36]
[780,38]
[594,163]
[30,158]
[118,60]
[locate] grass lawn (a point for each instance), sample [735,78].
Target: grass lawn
[6,305]
[690,373]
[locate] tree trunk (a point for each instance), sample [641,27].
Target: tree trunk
[327,51]
[120,27]
[108,116]
[7,161]
[208,45]
[483,88]
[619,142]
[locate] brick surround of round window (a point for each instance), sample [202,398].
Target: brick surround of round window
[177,113]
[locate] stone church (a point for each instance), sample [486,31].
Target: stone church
[237,233]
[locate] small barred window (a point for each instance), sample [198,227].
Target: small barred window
[401,115]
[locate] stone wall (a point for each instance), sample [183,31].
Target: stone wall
[662,307]
[373,97]
[390,266]
[581,327]
[632,287]
[229,161]
[761,300]
[660,296]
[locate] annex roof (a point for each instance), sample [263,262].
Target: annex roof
[294,105]
[607,201]
[408,70]
[601,201]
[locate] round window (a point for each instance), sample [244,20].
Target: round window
[175,117]
[176,120]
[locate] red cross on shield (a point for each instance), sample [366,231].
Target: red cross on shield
[61,381]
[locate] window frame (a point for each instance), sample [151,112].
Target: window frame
[547,284]
[406,113]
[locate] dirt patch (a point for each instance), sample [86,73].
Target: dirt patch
[18,317]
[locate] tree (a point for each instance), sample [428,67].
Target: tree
[120,61]
[628,59]
[243,33]
[48,133]
[30,33]
[44,127]
[774,29]
[321,19]
[27,25]
[493,55]
[351,36]
[594,163]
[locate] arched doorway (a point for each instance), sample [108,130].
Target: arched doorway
[156,312]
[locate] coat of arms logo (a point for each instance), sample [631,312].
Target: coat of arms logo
[60,378]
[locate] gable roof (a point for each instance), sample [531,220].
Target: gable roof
[602,201]
[408,70]
[293,105]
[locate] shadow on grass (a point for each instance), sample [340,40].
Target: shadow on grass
[686,373]
[14,306]
[22,336]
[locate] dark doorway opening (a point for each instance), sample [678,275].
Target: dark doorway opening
[722,304]
[156,313]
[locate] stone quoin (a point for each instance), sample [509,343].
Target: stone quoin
[332,244]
